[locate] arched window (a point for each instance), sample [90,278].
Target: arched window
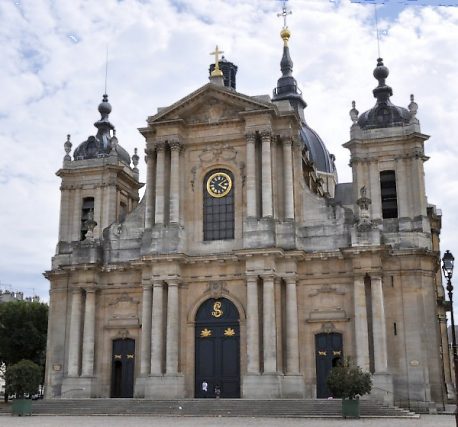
[218,205]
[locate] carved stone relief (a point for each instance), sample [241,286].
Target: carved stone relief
[327,303]
[216,289]
[212,112]
[217,153]
[123,310]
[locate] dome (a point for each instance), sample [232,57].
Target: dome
[324,162]
[383,116]
[384,113]
[102,144]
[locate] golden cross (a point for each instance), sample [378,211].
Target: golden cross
[216,71]
[284,13]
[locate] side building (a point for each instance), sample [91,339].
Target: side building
[246,267]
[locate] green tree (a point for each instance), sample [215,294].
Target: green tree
[347,381]
[23,378]
[23,332]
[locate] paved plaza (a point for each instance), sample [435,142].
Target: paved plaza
[132,421]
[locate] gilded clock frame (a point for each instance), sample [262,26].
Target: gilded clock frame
[224,193]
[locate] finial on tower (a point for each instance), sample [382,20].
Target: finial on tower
[285,33]
[67,148]
[284,13]
[216,72]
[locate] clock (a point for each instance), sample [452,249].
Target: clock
[219,184]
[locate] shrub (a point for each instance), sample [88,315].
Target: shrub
[23,378]
[347,382]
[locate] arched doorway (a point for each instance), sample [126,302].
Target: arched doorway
[122,368]
[328,348]
[217,349]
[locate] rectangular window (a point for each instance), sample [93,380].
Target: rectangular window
[86,210]
[389,195]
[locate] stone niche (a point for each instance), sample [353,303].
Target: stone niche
[327,304]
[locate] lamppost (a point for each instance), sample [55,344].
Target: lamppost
[447,268]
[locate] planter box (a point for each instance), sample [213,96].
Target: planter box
[350,408]
[21,407]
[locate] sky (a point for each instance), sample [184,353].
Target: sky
[52,77]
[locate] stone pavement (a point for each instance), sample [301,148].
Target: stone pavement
[132,421]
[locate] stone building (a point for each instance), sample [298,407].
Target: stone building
[247,270]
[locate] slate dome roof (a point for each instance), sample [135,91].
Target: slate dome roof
[384,114]
[103,143]
[319,154]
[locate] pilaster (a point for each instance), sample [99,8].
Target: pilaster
[267,208]
[160,183]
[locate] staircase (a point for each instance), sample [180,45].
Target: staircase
[297,408]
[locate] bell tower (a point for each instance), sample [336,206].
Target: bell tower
[387,155]
[98,186]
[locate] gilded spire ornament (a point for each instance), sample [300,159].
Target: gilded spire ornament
[217,71]
[285,33]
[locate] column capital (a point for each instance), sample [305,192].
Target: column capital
[250,137]
[290,279]
[286,140]
[159,145]
[175,145]
[251,279]
[174,282]
[266,135]
[158,283]
[296,143]
[147,286]
[90,289]
[149,151]
[268,276]
[77,290]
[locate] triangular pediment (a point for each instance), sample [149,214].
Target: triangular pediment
[210,104]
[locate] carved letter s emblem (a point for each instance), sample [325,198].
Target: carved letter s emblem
[217,312]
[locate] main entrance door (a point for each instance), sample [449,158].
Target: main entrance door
[328,349]
[217,358]
[122,368]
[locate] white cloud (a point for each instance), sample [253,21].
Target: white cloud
[159,52]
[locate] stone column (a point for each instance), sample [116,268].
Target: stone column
[361,334]
[160,183]
[269,326]
[149,191]
[379,325]
[375,193]
[252,325]
[418,196]
[89,334]
[292,328]
[402,188]
[173,311]
[157,329]
[98,212]
[266,185]
[145,355]
[76,233]
[288,178]
[64,214]
[175,148]
[251,198]
[74,340]
[446,356]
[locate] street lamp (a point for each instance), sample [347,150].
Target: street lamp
[447,268]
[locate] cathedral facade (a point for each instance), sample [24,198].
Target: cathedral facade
[247,270]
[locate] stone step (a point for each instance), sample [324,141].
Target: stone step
[209,407]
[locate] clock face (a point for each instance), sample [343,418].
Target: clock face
[219,184]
